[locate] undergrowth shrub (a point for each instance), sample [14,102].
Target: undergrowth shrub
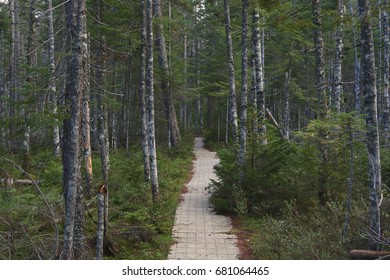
[315,234]
[281,182]
[283,171]
[137,229]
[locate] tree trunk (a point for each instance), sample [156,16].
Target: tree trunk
[338,59]
[2,89]
[150,103]
[259,77]
[142,87]
[14,60]
[170,113]
[253,97]
[101,225]
[350,179]
[86,125]
[103,117]
[52,85]
[322,111]
[356,87]
[232,82]
[29,80]
[372,134]
[386,73]
[198,102]
[244,87]
[74,89]
[184,101]
[319,56]
[368,255]
[286,111]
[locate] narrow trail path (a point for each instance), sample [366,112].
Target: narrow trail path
[201,234]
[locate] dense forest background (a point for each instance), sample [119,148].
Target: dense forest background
[100,101]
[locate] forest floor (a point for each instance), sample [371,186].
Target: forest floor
[200,233]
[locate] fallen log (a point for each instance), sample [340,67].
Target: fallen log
[10,182]
[368,255]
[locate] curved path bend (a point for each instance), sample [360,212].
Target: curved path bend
[200,234]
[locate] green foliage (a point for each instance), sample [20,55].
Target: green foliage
[290,170]
[312,234]
[280,184]
[137,228]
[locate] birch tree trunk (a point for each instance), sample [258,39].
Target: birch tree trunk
[372,134]
[86,125]
[52,85]
[259,77]
[386,73]
[173,127]
[150,103]
[319,56]
[103,128]
[338,59]
[142,89]
[244,87]
[100,226]
[102,114]
[356,87]
[74,89]
[232,82]
[253,97]
[103,139]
